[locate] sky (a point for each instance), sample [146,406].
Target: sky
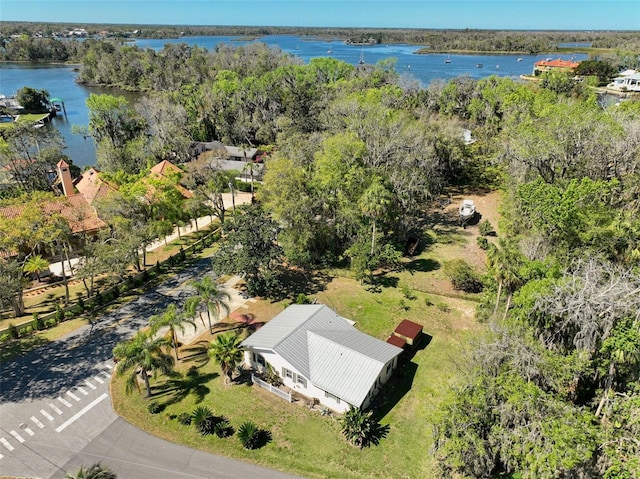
[474,14]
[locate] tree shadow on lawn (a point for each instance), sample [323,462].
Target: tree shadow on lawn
[296,281]
[400,383]
[177,388]
[423,265]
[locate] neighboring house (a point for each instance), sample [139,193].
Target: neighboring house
[628,80]
[92,187]
[548,65]
[165,169]
[321,355]
[241,154]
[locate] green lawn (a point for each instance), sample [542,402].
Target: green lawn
[306,443]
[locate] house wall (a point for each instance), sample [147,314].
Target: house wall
[334,403]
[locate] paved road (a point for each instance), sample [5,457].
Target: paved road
[56,414]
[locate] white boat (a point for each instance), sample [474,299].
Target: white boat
[467,211]
[448,60]
[519,59]
[361,61]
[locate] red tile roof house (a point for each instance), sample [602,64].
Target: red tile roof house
[543,66]
[321,355]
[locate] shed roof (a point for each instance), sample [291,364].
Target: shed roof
[408,329]
[396,341]
[558,63]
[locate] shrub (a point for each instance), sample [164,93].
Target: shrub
[483,243]
[202,418]
[5,337]
[69,314]
[462,276]
[249,435]
[222,427]
[26,331]
[99,298]
[81,304]
[154,407]
[407,292]
[184,418]
[271,376]
[37,322]
[13,331]
[485,228]
[59,313]
[50,323]
[303,299]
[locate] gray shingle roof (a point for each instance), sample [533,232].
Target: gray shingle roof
[326,349]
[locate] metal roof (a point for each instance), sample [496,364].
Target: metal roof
[326,349]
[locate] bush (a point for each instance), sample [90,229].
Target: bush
[59,313]
[26,331]
[50,323]
[69,314]
[13,331]
[81,304]
[407,292]
[249,435]
[154,407]
[99,298]
[462,276]
[4,337]
[485,228]
[303,299]
[37,322]
[202,418]
[223,428]
[184,418]
[483,243]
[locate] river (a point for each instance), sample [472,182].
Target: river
[59,80]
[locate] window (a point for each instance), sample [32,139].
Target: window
[287,373]
[331,396]
[389,367]
[302,381]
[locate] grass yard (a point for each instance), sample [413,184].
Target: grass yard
[304,442]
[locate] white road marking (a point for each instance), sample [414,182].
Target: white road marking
[109,366]
[73,396]
[1,456]
[17,436]
[83,391]
[106,374]
[64,401]
[55,408]
[81,412]
[28,431]
[46,414]
[37,423]
[6,443]
[98,379]
[90,385]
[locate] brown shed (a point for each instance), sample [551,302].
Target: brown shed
[409,331]
[396,341]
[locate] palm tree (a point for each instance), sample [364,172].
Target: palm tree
[142,353]
[504,260]
[174,321]
[358,427]
[374,203]
[209,294]
[226,350]
[36,264]
[95,471]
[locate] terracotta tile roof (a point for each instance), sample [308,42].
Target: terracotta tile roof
[80,216]
[164,168]
[559,63]
[396,341]
[408,329]
[92,187]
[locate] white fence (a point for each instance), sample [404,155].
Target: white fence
[270,388]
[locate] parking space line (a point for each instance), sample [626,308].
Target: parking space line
[108,366]
[83,391]
[1,456]
[64,401]
[81,412]
[37,423]
[73,396]
[17,436]
[98,379]
[46,414]
[28,431]
[55,408]
[106,374]
[6,444]
[90,385]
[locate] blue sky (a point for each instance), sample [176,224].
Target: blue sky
[511,14]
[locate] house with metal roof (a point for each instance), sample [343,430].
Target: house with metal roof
[321,355]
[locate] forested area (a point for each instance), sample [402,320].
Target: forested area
[356,156]
[18,43]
